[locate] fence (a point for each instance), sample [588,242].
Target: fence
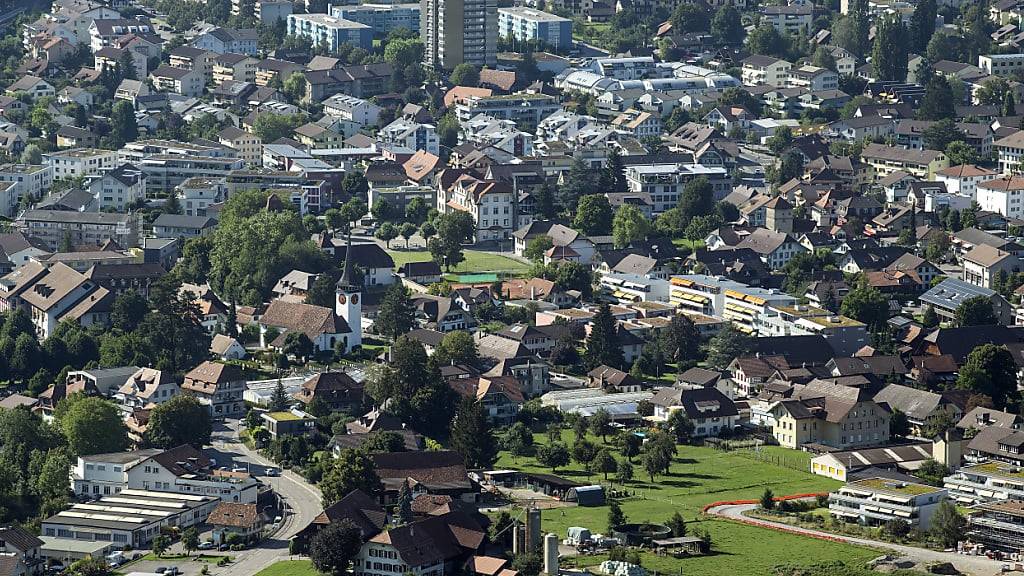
[798,464]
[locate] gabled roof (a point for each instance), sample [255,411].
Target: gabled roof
[311,320]
[918,405]
[358,507]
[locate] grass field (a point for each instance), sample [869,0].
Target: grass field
[691,244]
[475,262]
[289,568]
[699,476]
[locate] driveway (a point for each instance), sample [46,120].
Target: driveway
[300,498]
[976,565]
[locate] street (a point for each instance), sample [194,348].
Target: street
[301,499]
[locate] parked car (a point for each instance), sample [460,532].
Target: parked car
[206,546]
[273,472]
[224,548]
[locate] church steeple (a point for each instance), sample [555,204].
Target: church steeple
[349,303]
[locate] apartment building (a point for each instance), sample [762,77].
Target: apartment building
[813,78]
[991,481]
[1001,64]
[352,109]
[382,18]
[526,110]
[248,145]
[827,412]
[1010,150]
[491,203]
[119,188]
[1002,195]
[884,160]
[760,70]
[80,162]
[963,180]
[875,501]
[665,182]
[410,134]
[527,25]
[791,19]
[20,180]
[234,67]
[222,40]
[53,294]
[178,80]
[165,172]
[86,228]
[219,387]
[330,31]
[459,31]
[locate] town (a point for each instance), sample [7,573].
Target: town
[511,287]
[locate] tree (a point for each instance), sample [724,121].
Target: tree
[518,440]
[536,248]
[631,444]
[90,566]
[465,75]
[940,134]
[351,470]
[453,229]
[272,127]
[427,231]
[938,101]
[553,455]
[123,127]
[728,344]
[947,524]
[629,225]
[679,425]
[889,54]
[32,154]
[765,40]
[593,215]
[922,25]
[899,425]
[989,370]
[294,87]
[932,472]
[602,344]
[91,425]
[767,501]
[160,545]
[616,517]
[866,304]
[604,462]
[456,347]
[180,420]
[614,172]
[386,441]
[387,232]
[334,547]
[823,58]
[960,152]
[403,52]
[993,91]
[396,314]
[680,341]
[471,435]
[727,26]
[930,318]
[407,231]
[654,462]
[623,472]
[129,310]
[190,540]
[975,311]
[601,424]
[697,199]
[279,399]
[298,345]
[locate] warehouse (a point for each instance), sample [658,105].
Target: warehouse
[130,518]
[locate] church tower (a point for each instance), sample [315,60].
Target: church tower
[349,301]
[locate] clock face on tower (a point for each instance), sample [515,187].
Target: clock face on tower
[342,299]
[355,298]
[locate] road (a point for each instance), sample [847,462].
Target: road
[976,565]
[300,498]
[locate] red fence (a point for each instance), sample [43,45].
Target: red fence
[773,526]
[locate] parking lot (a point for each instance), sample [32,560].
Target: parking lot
[186,566]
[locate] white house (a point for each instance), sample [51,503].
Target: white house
[119,188]
[147,386]
[965,178]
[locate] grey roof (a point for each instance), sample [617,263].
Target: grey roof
[950,293]
[184,221]
[981,417]
[105,218]
[918,405]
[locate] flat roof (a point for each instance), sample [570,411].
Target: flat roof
[73,546]
[889,486]
[532,14]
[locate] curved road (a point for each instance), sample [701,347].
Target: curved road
[976,565]
[301,499]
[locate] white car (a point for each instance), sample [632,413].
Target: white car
[206,546]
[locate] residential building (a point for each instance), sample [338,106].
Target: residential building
[336,390]
[500,396]
[765,71]
[711,411]
[53,294]
[492,205]
[219,387]
[525,109]
[984,264]
[997,525]
[991,481]
[1001,64]
[330,31]
[34,86]
[829,413]
[118,189]
[231,521]
[233,68]
[147,387]
[411,135]
[178,80]
[222,40]
[812,78]
[1002,195]
[526,24]
[945,298]
[1010,150]
[876,501]
[382,17]
[964,179]
[293,422]
[665,182]
[52,227]
[885,160]
[789,19]
[80,162]
[103,32]
[357,110]
[459,31]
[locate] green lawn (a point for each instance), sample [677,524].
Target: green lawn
[700,476]
[474,262]
[691,244]
[289,568]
